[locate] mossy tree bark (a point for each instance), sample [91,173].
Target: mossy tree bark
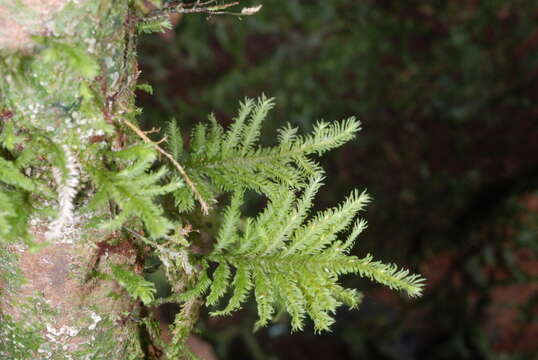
[67,71]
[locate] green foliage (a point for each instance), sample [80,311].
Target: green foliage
[133,188]
[295,264]
[16,188]
[19,340]
[75,57]
[375,77]
[387,61]
[157,24]
[13,216]
[145,87]
[289,258]
[231,160]
[135,284]
[182,327]
[10,175]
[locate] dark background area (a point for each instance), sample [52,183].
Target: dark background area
[447,93]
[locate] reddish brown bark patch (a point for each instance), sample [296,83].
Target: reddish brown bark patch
[17,25]
[47,272]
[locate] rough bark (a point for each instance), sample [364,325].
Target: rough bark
[51,305]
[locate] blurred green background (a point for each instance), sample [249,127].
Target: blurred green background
[447,93]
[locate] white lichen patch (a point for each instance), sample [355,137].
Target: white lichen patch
[90,42]
[62,332]
[70,233]
[251,10]
[67,190]
[59,340]
[95,320]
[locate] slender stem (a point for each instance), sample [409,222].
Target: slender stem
[199,7]
[203,203]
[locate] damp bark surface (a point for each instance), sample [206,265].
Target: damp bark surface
[52,306]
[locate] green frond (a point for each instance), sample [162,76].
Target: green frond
[386,274]
[231,160]
[174,141]
[358,228]
[6,211]
[9,137]
[158,24]
[9,174]
[228,233]
[242,285]
[145,87]
[252,129]
[320,302]
[216,133]
[15,202]
[141,156]
[199,144]
[233,136]
[287,135]
[321,230]
[150,178]
[134,189]
[350,297]
[327,136]
[135,284]
[221,278]
[183,324]
[295,218]
[293,299]
[184,199]
[173,185]
[293,263]
[310,167]
[272,225]
[200,288]
[265,297]
[14,214]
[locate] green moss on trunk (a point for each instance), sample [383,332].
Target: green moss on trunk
[70,73]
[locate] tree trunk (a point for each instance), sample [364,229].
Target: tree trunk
[52,306]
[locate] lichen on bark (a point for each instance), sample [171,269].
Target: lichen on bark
[67,71]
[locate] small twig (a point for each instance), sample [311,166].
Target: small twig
[203,204]
[164,139]
[206,7]
[152,131]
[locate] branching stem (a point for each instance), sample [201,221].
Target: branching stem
[210,7]
[205,206]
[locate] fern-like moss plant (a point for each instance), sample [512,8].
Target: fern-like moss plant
[289,258]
